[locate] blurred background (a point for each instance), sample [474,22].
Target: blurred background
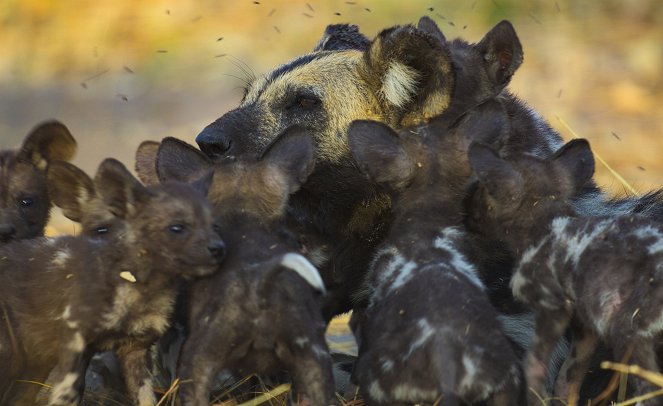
[120,72]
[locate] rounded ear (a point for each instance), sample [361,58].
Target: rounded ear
[502,53]
[292,155]
[179,161]
[340,37]
[411,72]
[146,162]
[69,188]
[576,161]
[500,178]
[118,188]
[378,151]
[48,141]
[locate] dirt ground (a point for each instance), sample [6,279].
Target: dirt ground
[117,73]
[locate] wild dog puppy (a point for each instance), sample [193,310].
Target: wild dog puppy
[598,275]
[262,312]
[24,201]
[64,299]
[429,331]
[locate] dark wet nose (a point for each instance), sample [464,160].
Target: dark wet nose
[7,232]
[218,249]
[213,142]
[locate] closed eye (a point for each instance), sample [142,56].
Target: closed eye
[26,202]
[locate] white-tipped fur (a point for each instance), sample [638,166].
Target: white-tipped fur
[400,84]
[305,269]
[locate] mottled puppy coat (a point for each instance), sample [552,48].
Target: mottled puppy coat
[63,299]
[600,275]
[256,315]
[24,200]
[428,331]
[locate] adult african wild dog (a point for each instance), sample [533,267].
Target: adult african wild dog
[255,315]
[405,76]
[428,331]
[63,299]
[600,275]
[24,201]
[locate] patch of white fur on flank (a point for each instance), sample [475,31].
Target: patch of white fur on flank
[305,269]
[559,228]
[146,394]
[651,232]
[376,392]
[399,84]
[319,351]
[125,297]
[64,389]
[318,256]
[447,241]
[531,252]
[387,364]
[395,263]
[409,393]
[469,382]
[301,341]
[577,244]
[518,282]
[404,275]
[61,257]
[426,331]
[77,344]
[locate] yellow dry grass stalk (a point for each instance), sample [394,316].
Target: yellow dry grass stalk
[614,173]
[173,388]
[651,376]
[268,396]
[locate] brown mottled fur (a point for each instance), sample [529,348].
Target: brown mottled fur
[257,314]
[24,200]
[63,299]
[426,328]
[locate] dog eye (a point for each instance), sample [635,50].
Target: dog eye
[26,202]
[176,228]
[101,230]
[307,102]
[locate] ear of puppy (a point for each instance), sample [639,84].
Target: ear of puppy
[146,162]
[48,141]
[502,53]
[340,37]
[499,177]
[179,161]
[411,71]
[69,188]
[427,25]
[290,159]
[119,189]
[378,151]
[575,161]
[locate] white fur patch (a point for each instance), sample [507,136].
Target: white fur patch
[301,341]
[447,241]
[577,244]
[125,297]
[531,252]
[305,269]
[77,343]
[399,84]
[651,232]
[404,275]
[63,390]
[387,364]
[128,276]
[146,394]
[61,257]
[376,392]
[409,393]
[426,331]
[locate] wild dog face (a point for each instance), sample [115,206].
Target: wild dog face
[24,201]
